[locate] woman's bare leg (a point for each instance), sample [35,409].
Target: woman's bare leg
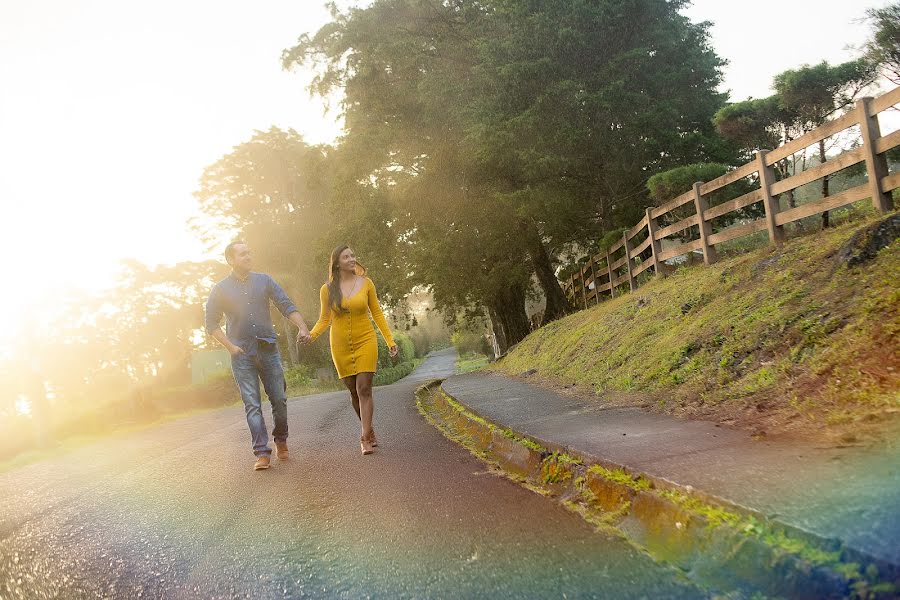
[366,402]
[350,382]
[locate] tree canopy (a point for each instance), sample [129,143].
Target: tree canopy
[514,128]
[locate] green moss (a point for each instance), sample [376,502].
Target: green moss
[714,516]
[621,477]
[558,468]
[809,553]
[504,431]
[531,445]
[568,459]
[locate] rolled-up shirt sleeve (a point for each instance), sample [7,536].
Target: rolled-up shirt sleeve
[213,311]
[280,298]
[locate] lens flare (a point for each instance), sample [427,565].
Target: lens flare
[23,406]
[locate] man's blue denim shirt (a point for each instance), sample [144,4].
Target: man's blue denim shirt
[245,305]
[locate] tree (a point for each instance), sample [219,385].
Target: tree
[754,124]
[273,191]
[805,98]
[883,48]
[815,94]
[406,71]
[94,351]
[527,106]
[761,124]
[580,102]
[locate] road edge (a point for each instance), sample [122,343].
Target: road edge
[716,544]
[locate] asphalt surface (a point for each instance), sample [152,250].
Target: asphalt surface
[849,494]
[176,511]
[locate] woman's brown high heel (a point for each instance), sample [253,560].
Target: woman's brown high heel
[372,440]
[366,446]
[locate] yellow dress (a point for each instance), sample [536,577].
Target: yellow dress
[354,348]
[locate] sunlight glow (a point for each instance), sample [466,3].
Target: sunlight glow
[118,140]
[23,406]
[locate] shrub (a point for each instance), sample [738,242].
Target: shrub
[389,375]
[299,375]
[405,347]
[674,182]
[467,342]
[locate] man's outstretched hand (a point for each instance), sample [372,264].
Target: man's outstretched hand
[303,337]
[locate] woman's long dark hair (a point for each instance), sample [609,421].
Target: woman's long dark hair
[335,295]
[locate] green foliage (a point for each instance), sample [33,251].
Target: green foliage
[504,131]
[814,93]
[429,332]
[611,238]
[753,124]
[471,342]
[674,182]
[299,376]
[389,375]
[883,48]
[406,350]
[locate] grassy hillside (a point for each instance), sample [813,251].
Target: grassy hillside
[788,340]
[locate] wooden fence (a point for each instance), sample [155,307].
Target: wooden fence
[628,258]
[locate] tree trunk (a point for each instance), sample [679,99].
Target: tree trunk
[498,329]
[508,317]
[784,172]
[822,160]
[290,339]
[557,303]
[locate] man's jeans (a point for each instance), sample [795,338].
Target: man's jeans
[248,370]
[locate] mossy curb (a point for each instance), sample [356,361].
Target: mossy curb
[722,547]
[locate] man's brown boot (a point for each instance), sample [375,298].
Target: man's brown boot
[262,462]
[281,450]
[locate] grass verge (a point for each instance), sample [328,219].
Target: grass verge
[471,362]
[774,340]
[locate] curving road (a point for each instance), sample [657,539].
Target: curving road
[176,511]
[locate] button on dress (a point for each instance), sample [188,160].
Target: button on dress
[354,347]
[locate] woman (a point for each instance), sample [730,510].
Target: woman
[346,301]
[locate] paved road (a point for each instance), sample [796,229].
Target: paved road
[846,494]
[176,511]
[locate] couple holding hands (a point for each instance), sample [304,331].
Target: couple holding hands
[347,299]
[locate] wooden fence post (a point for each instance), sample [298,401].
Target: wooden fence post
[628,261]
[583,288]
[709,252]
[612,288]
[654,245]
[876,164]
[594,279]
[766,179]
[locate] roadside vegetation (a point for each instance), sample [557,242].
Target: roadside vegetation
[774,340]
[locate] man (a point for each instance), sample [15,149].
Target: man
[244,298]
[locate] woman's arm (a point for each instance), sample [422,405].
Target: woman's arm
[378,315]
[324,315]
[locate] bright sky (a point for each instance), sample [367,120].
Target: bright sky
[110,110]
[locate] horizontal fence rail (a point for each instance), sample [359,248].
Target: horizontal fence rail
[628,258]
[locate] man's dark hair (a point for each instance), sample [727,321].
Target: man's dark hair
[229,249]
